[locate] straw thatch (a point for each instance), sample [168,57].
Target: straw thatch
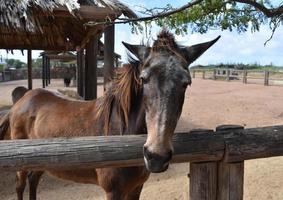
[54,24]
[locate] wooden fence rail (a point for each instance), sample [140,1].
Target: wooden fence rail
[216,157]
[267,77]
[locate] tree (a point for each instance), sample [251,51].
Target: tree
[37,63]
[202,15]
[239,15]
[15,63]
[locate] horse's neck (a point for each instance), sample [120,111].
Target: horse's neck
[136,119]
[136,123]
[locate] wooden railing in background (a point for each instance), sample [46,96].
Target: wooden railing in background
[246,76]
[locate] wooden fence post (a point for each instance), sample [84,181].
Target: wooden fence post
[203,178]
[245,73]
[227,74]
[203,181]
[230,180]
[266,77]
[214,74]
[203,74]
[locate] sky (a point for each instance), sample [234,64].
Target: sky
[247,48]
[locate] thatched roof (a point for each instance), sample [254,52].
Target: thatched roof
[45,24]
[70,56]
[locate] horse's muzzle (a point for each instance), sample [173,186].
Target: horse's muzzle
[156,163]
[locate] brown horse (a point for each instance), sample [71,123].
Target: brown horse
[17,93]
[146,97]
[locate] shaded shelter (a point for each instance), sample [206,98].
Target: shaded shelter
[69,56]
[59,25]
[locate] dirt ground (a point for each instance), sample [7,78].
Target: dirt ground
[208,104]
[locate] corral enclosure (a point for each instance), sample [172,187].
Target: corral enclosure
[265,77]
[208,104]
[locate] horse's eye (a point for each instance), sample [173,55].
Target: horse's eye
[185,84]
[144,79]
[144,76]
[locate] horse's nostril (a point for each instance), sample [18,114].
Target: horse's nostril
[153,156]
[147,154]
[169,156]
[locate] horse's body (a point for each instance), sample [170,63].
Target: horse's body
[31,119]
[146,97]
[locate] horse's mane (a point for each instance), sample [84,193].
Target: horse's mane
[123,88]
[166,42]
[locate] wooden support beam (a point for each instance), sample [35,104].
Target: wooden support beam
[49,72]
[67,47]
[91,69]
[43,71]
[61,57]
[80,72]
[29,61]
[87,13]
[109,55]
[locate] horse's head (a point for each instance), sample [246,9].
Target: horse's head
[165,77]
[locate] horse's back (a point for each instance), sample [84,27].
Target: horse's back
[43,114]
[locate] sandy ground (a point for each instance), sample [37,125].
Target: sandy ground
[208,104]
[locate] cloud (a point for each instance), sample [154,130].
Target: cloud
[231,48]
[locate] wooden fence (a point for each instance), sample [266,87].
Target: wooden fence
[216,157]
[265,77]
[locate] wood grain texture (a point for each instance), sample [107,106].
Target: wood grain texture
[203,181]
[232,145]
[101,151]
[90,76]
[230,181]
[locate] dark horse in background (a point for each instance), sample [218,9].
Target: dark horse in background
[146,97]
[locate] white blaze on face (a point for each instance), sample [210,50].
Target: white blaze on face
[158,138]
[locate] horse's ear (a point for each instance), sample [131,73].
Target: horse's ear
[140,51]
[195,51]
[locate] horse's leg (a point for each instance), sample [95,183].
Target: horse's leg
[135,194]
[21,177]
[114,195]
[34,178]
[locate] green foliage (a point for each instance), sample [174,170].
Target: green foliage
[15,63]
[2,67]
[37,63]
[219,14]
